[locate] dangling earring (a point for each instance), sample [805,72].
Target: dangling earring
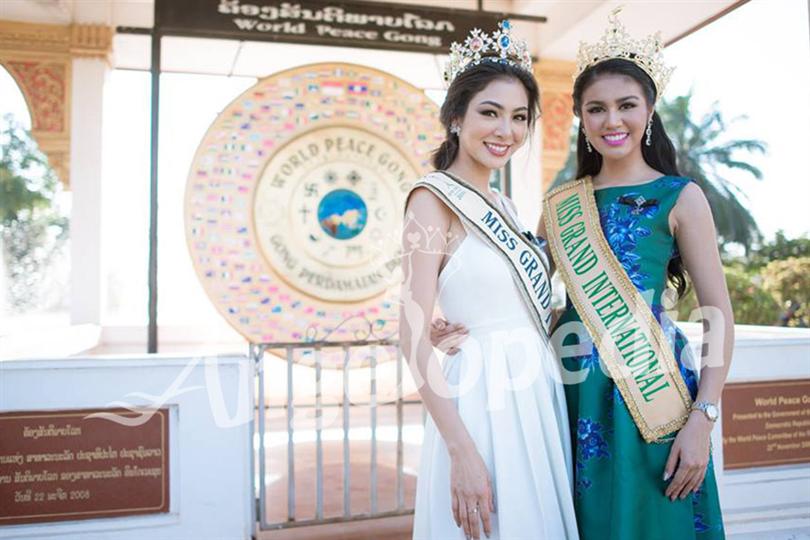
[649,132]
[587,142]
[455,129]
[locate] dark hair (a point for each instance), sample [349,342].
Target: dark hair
[660,155]
[461,91]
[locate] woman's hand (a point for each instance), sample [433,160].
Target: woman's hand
[447,337]
[690,452]
[471,492]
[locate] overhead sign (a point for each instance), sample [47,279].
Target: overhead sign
[324,22]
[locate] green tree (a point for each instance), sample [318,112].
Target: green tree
[750,301]
[781,247]
[33,230]
[706,156]
[788,280]
[26,181]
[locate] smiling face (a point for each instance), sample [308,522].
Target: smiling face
[615,114]
[495,125]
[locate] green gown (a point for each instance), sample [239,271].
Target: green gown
[619,489]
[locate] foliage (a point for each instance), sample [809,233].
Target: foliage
[751,303]
[779,248]
[26,181]
[33,229]
[788,281]
[707,157]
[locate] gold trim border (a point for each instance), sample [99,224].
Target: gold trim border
[639,307]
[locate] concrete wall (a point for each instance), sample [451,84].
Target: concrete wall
[210,456]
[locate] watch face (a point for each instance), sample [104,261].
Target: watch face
[712,412]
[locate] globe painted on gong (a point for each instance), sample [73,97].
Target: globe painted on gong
[342,214]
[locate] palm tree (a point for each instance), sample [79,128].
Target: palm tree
[704,156]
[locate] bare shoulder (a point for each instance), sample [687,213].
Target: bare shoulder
[692,212]
[426,207]
[691,202]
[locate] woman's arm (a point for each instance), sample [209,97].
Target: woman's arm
[693,228]
[423,245]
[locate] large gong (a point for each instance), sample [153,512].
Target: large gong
[294,202]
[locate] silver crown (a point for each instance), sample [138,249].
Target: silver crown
[481,47]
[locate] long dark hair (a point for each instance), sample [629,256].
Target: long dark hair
[660,155]
[461,91]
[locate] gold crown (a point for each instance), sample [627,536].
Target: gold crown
[646,53]
[481,47]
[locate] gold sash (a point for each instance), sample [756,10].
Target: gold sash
[528,264]
[624,330]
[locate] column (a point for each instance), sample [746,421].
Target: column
[87,276]
[556,84]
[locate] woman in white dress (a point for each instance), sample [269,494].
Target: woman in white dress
[496,453]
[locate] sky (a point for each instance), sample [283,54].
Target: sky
[755,61]
[752,62]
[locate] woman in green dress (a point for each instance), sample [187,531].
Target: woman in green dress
[658,226]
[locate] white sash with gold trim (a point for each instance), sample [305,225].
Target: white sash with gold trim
[624,330]
[528,264]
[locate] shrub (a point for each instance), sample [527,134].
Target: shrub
[751,303]
[789,282]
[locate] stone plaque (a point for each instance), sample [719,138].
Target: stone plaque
[83,464]
[766,423]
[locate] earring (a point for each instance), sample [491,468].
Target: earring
[455,129]
[587,142]
[649,132]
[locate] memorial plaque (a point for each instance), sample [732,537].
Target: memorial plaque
[766,423]
[83,464]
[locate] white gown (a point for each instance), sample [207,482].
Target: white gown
[519,423]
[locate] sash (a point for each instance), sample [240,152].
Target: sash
[526,261]
[629,339]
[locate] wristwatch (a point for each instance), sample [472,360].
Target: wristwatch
[710,410]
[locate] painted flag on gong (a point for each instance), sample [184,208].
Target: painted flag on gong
[358,88]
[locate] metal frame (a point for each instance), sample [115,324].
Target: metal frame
[257,354]
[157,33]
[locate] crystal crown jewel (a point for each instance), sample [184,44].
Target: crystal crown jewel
[646,53]
[481,47]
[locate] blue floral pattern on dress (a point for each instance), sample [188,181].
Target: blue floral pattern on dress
[623,227]
[676,182]
[678,342]
[590,444]
[590,361]
[617,395]
[700,525]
